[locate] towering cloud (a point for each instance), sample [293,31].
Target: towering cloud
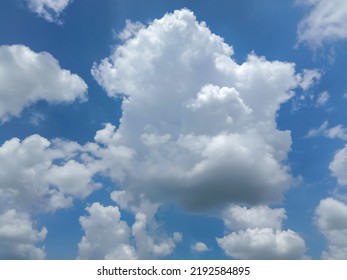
[197,127]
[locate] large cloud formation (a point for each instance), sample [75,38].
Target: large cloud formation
[197,127]
[327,22]
[257,234]
[330,216]
[27,76]
[48,9]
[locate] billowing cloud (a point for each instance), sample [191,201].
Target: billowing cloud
[106,235]
[199,247]
[48,9]
[39,175]
[109,237]
[195,123]
[331,218]
[27,76]
[257,234]
[326,22]
[18,238]
[263,243]
[339,166]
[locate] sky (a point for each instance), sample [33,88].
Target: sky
[173,129]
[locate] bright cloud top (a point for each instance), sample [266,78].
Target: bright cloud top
[27,76]
[258,234]
[195,123]
[327,22]
[48,9]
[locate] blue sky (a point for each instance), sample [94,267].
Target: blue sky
[173,129]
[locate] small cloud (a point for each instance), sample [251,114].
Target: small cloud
[36,118]
[199,247]
[322,98]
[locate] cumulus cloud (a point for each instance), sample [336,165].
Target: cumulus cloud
[195,123]
[338,166]
[331,219]
[27,76]
[50,10]
[106,235]
[109,237]
[264,243]
[199,247]
[39,175]
[257,234]
[18,238]
[326,22]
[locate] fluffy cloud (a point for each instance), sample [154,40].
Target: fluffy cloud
[39,175]
[263,243]
[195,123]
[331,218]
[48,9]
[339,166]
[199,247]
[108,237]
[18,237]
[327,22]
[27,76]
[258,234]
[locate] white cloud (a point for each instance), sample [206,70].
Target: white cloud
[199,247]
[27,76]
[48,9]
[195,123]
[334,132]
[108,237]
[264,243]
[331,218]
[239,218]
[326,23]
[257,234]
[308,78]
[322,98]
[39,175]
[339,166]
[18,237]
[130,30]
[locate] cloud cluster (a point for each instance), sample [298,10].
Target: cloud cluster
[195,123]
[48,9]
[326,23]
[18,237]
[330,216]
[27,76]
[37,175]
[257,234]
[108,237]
